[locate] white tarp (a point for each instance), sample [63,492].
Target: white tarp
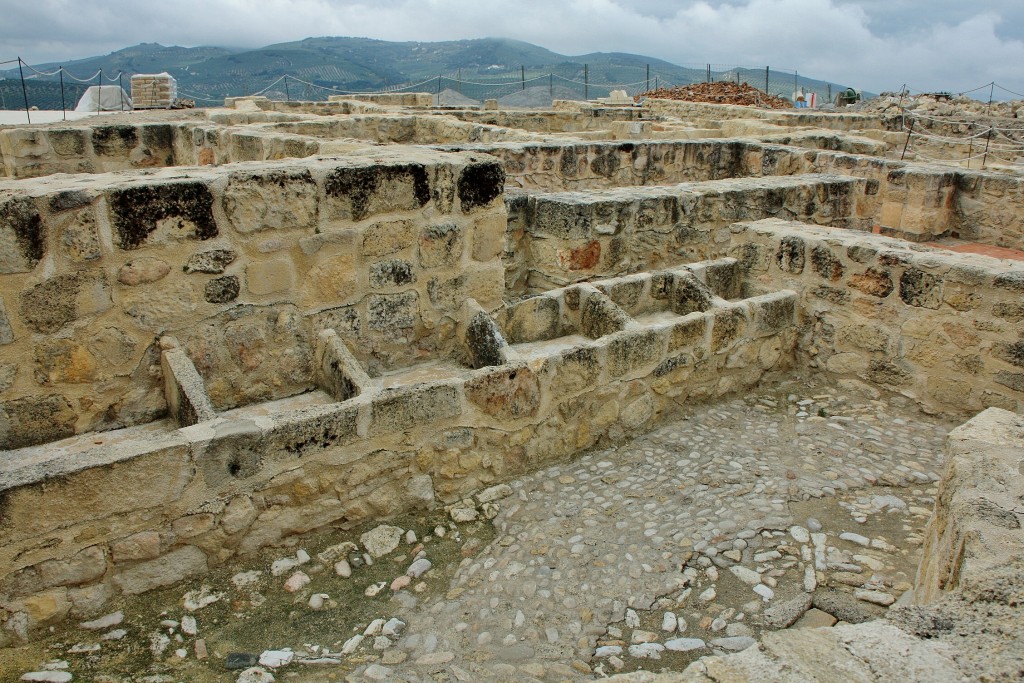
[104,98]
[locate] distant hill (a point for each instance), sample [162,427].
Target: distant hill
[317,67]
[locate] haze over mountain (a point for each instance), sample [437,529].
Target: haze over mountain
[320,66]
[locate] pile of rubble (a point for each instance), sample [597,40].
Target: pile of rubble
[719,93]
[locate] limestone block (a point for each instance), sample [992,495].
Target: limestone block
[185,392]
[629,352]
[918,288]
[63,361]
[391,273]
[355,193]
[479,184]
[771,313]
[22,235]
[483,340]
[47,607]
[222,290]
[535,319]
[790,256]
[332,280]
[85,566]
[600,317]
[488,236]
[399,410]
[114,141]
[270,277]
[392,312]
[875,282]
[338,372]
[506,394]
[213,261]
[36,419]
[729,325]
[154,479]
[573,371]
[159,213]
[441,245]
[144,545]
[143,270]
[167,570]
[79,234]
[389,237]
[688,332]
[272,200]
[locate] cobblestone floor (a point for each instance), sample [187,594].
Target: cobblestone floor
[794,506]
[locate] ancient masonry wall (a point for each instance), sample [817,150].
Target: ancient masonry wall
[567,370]
[914,202]
[243,266]
[938,327]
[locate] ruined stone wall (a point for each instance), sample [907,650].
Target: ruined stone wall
[243,265]
[939,327]
[558,238]
[914,202]
[402,129]
[575,368]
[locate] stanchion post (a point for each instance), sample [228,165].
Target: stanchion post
[909,133]
[63,105]
[767,72]
[988,139]
[24,91]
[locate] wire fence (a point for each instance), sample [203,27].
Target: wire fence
[59,89]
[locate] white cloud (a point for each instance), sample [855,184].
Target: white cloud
[875,44]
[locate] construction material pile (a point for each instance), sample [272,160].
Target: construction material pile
[154,91]
[722,92]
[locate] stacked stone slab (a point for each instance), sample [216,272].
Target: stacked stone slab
[154,91]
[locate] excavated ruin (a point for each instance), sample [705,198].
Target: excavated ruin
[225,339]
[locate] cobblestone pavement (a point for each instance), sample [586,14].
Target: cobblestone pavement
[796,505]
[633,533]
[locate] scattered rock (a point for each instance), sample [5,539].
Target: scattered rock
[734,644]
[48,676]
[647,650]
[296,582]
[784,614]
[875,597]
[103,622]
[276,658]
[381,540]
[684,644]
[255,675]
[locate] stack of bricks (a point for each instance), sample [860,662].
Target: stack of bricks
[154,91]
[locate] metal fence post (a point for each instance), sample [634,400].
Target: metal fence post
[648,76]
[586,81]
[63,106]
[767,69]
[708,80]
[24,91]
[522,74]
[99,97]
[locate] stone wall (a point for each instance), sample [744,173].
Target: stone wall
[939,327]
[578,367]
[558,238]
[911,201]
[243,265]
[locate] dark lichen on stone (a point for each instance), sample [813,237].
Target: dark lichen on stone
[484,341]
[479,184]
[221,290]
[790,255]
[19,215]
[136,211]
[359,185]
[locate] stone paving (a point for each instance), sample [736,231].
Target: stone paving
[797,505]
[653,525]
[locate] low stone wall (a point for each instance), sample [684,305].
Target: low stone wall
[243,264]
[559,238]
[831,120]
[146,508]
[403,130]
[939,327]
[911,201]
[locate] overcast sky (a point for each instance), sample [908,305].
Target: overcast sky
[874,44]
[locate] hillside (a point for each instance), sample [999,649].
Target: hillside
[319,66]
